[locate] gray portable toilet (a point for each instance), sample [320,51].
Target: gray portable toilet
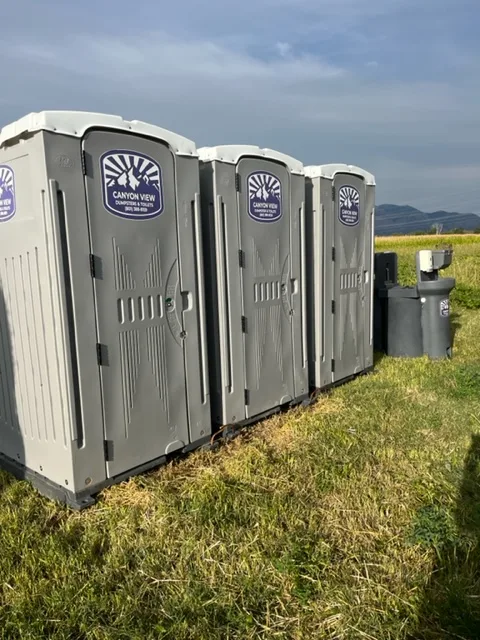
[340,230]
[254,233]
[104,366]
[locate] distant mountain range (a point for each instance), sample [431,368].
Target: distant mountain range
[391,219]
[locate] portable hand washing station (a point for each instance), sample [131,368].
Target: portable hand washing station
[415,320]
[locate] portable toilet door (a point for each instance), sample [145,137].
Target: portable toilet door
[348,197]
[257,199]
[111,212]
[139,296]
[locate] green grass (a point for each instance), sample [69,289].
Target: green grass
[356,518]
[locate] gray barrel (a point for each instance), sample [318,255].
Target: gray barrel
[386,275]
[379,323]
[435,304]
[386,269]
[403,322]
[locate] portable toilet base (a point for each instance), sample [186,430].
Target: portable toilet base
[103,367]
[254,234]
[79,500]
[340,227]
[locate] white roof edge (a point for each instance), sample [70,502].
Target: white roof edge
[330,170]
[231,153]
[76,123]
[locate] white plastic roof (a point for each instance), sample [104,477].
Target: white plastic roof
[232,153]
[76,123]
[330,170]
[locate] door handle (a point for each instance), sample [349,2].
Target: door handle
[303,283]
[197,238]
[223,292]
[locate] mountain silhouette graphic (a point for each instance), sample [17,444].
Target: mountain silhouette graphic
[5,191]
[129,179]
[263,193]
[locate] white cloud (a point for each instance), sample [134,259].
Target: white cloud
[159,54]
[305,88]
[283,48]
[309,77]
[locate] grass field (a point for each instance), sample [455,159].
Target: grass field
[356,518]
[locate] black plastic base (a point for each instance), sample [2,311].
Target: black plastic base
[315,392]
[88,497]
[230,431]
[46,487]
[365,372]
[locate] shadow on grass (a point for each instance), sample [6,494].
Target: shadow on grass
[455,325]
[451,608]
[378,356]
[11,436]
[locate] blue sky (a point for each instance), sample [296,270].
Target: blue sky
[390,85]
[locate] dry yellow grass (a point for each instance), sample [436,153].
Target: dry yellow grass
[473,237]
[355,518]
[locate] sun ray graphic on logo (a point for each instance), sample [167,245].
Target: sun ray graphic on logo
[135,168]
[349,206]
[7,193]
[264,196]
[349,198]
[263,186]
[132,185]
[6,178]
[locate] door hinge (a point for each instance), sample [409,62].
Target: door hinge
[237,182]
[334,193]
[333,254]
[91,258]
[333,366]
[244,324]
[84,163]
[247,397]
[108,450]
[333,306]
[241,258]
[100,351]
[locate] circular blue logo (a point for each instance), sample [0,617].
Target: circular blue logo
[349,206]
[8,202]
[132,185]
[264,196]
